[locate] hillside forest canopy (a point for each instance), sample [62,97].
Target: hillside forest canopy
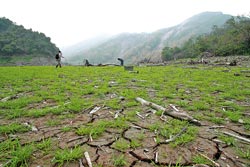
[15,40]
[233,38]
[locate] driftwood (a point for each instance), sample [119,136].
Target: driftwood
[236,136]
[172,112]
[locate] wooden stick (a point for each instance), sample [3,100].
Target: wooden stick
[216,164]
[94,110]
[86,154]
[117,113]
[216,127]
[136,127]
[236,136]
[156,156]
[172,113]
[90,137]
[80,163]
[173,107]
[139,115]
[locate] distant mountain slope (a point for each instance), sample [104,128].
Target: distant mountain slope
[84,45]
[136,47]
[19,46]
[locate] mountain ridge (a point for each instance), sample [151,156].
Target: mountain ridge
[136,47]
[20,46]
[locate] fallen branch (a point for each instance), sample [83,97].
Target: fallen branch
[172,113]
[236,136]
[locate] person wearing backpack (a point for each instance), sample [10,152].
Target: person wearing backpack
[58,59]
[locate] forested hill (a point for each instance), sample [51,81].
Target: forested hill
[148,46]
[233,38]
[19,46]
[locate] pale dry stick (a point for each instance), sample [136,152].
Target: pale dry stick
[236,136]
[80,163]
[216,127]
[156,156]
[163,117]
[3,165]
[176,136]
[117,113]
[95,110]
[90,137]
[215,163]
[173,107]
[136,127]
[139,115]
[54,107]
[200,165]
[102,149]
[75,138]
[86,154]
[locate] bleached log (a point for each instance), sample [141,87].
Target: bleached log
[86,154]
[172,113]
[236,136]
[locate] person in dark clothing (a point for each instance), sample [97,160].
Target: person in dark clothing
[58,59]
[121,60]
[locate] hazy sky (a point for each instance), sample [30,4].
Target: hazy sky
[68,22]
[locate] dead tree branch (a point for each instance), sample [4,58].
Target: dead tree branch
[236,136]
[173,113]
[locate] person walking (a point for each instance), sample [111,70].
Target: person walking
[58,59]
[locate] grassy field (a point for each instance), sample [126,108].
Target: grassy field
[47,119]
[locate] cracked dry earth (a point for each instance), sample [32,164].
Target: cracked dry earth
[102,150]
